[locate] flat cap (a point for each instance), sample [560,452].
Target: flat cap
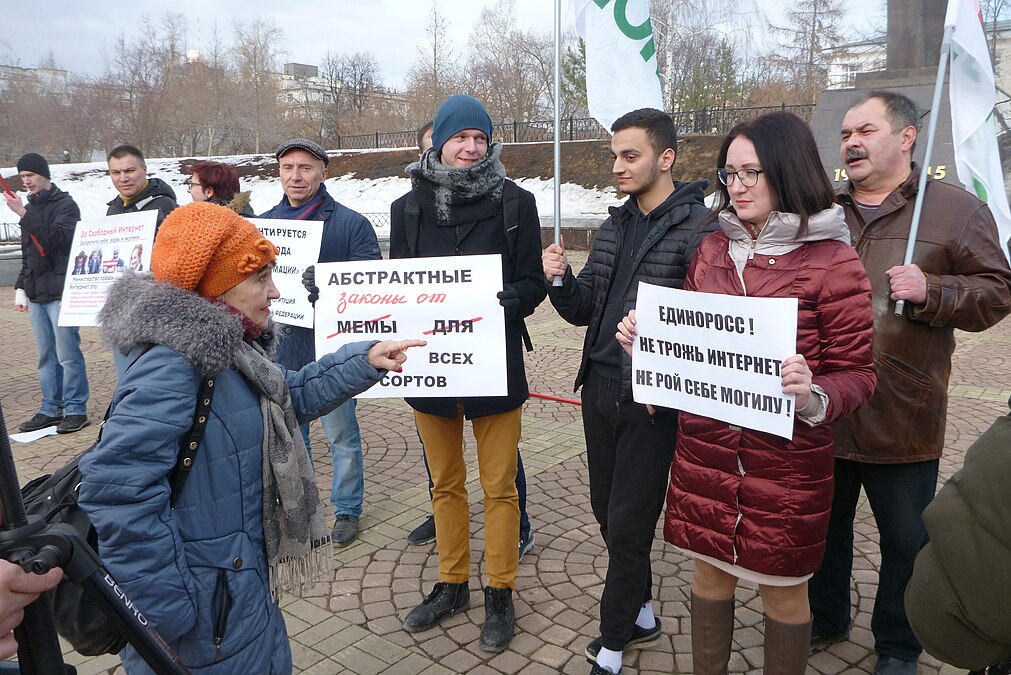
[313,148]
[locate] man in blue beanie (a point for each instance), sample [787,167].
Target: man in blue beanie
[461,203]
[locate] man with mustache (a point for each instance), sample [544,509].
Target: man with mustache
[891,447]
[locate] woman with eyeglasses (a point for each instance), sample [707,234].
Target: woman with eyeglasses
[747,504]
[218,183]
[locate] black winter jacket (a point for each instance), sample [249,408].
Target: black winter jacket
[47,232]
[485,236]
[157,196]
[662,259]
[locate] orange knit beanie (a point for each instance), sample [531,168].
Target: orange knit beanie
[208,248]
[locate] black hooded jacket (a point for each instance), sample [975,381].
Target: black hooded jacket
[47,232]
[157,196]
[674,230]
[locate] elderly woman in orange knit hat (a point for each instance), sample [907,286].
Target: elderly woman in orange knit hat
[207,564]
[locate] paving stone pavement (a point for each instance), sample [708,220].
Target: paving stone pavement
[353,624]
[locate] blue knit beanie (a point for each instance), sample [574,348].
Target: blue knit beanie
[457,113]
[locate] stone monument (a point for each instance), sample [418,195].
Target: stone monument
[915,30]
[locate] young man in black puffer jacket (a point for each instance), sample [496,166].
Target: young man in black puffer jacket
[47,232]
[652,237]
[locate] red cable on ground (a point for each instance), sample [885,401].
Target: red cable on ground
[548,397]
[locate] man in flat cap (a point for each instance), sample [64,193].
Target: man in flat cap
[347,235]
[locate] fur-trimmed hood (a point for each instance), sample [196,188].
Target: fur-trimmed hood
[139,310]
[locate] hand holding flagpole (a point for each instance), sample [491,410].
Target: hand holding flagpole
[900,305]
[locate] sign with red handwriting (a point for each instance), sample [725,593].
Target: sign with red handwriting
[715,355]
[449,302]
[102,250]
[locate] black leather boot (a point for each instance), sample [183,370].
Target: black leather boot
[497,631]
[446,599]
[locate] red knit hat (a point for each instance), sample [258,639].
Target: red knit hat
[208,248]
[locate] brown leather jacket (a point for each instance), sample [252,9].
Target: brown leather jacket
[968,288]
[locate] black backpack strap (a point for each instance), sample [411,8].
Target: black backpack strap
[511,223]
[191,442]
[412,218]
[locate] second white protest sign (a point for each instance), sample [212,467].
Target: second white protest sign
[298,243]
[450,302]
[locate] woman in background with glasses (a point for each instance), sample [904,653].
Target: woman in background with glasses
[218,183]
[747,504]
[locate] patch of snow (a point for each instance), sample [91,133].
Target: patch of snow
[91,188]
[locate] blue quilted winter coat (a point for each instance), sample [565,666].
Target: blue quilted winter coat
[173,561]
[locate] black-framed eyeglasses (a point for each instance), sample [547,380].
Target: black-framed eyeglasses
[189,182]
[748,177]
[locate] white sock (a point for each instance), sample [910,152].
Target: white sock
[646,618]
[609,659]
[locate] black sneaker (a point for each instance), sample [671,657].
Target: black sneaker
[40,421]
[821,640]
[601,670]
[640,636]
[423,534]
[445,600]
[345,530]
[499,615]
[526,544]
[72,423]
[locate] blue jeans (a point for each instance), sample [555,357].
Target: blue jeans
[521,488]
[347,492]
[63,375]
[897,493]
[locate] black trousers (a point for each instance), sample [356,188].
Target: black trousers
[897,493]
[628,453]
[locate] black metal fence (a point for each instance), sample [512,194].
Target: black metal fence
[718,119]
[10,232]
[378,220]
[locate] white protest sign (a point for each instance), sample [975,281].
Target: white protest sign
[715,355]
[103,247]
[299,242]
[450,302]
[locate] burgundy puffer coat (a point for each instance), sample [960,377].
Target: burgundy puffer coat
[746,497]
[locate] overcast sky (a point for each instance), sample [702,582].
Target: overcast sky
[78,33]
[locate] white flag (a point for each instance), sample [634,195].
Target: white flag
[620,57]
[972,93]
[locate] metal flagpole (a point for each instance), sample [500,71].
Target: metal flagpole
[558,129]
[935,108]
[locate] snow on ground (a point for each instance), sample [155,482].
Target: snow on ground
[90,186]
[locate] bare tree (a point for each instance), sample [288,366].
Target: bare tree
[812,27]
[993,11]
[146,68]
[694,41]
[510,70]
[435,73]
[257,50]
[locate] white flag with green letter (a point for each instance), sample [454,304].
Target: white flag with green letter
[620,57]
[972,93]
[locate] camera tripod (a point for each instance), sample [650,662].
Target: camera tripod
[38,547]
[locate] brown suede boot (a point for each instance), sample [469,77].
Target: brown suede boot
[787,646]
[712,630]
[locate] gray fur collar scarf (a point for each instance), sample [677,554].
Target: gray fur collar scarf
[209,335]
[139,310]
[459,196]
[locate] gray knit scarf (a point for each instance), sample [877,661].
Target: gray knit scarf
[294,524]
[460,194]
